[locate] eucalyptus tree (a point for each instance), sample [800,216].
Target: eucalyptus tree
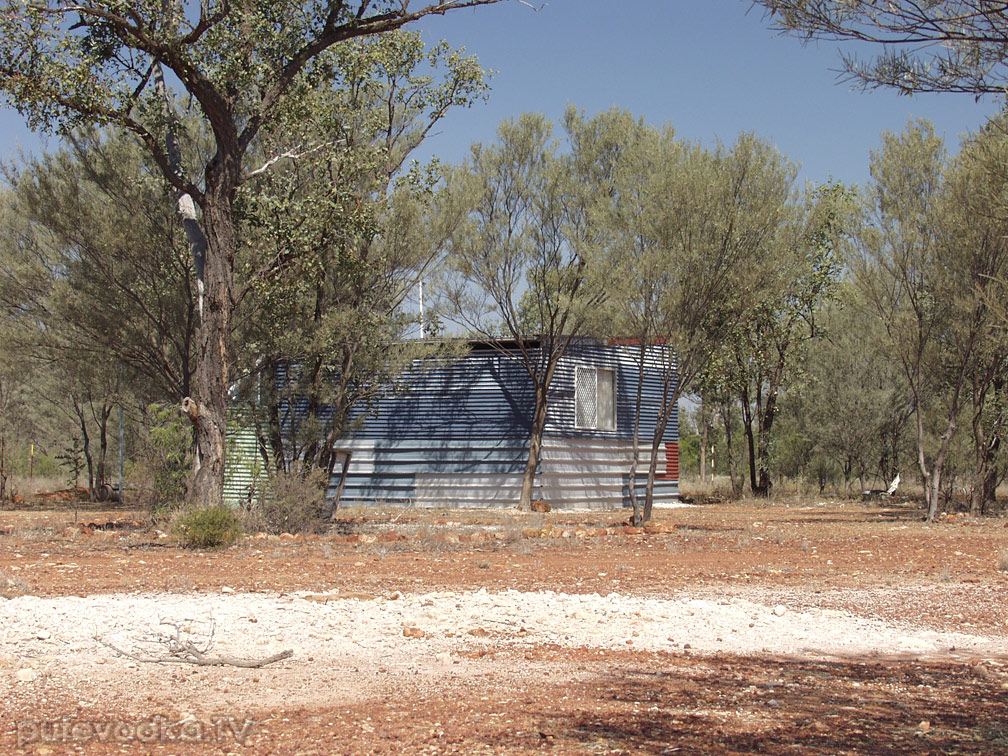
[64,64]
[515,269]
[341,237]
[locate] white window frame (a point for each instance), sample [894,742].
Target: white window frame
[596,424]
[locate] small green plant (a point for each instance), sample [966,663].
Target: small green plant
[208,527]
[71,459]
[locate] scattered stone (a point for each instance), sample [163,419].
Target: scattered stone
[413,632]
[780,610]
[26,675]
[43,635]
[540,506]
[227,589]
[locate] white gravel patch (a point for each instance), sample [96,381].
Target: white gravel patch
[68,630]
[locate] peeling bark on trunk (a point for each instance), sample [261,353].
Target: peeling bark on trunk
[213,349]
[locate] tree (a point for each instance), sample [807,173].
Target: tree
[341,238]
[116,282]
[515,271]
[927,257]
[944,46]
[804,255]
[674,274]
[64,64]
[849,413]
[975,270]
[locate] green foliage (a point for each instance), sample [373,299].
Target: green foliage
[331,308]
[167,456]
[208,527]
[689,445]
[247,69]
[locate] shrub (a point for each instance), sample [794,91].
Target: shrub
[208,527]
[158,477]
[290,503]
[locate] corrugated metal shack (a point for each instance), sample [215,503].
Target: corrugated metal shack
[459,434]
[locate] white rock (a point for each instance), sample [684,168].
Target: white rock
[27,674]
[780,610]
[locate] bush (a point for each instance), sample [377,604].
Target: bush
[208,527]
[290,503]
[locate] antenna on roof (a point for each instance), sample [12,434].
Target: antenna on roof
[421,311]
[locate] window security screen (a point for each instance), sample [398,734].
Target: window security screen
[595,399]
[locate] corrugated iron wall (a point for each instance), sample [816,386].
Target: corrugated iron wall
[459,437]
[243,472]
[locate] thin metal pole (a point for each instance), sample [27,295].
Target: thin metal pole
[421,310]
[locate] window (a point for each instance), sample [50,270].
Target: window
[595,398]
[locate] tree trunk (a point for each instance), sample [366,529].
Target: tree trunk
[635,457]
[736,485]
[653,464]
[750,442]
[938,468]
[211,376]
[990,484]
[79,411]
[704,440]
[101,475]
[670,404]
[535,449]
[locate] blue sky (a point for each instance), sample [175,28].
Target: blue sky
[711,68]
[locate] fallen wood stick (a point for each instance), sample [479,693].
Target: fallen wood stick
[192,655]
